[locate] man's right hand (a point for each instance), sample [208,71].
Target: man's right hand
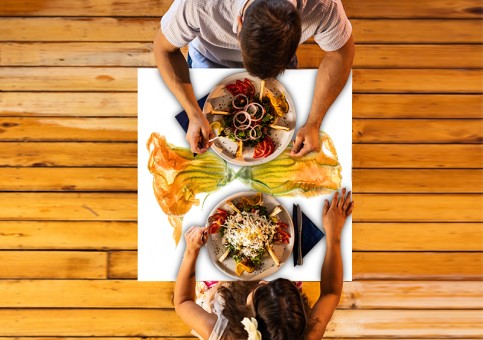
[199,133]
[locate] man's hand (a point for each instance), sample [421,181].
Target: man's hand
[199,134]
[307,140]
[335,214]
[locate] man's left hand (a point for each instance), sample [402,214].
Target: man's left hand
[307,140]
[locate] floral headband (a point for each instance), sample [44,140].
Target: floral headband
[251,326]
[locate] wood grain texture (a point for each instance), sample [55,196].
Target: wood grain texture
[450,131]
[68,179]
[137,29]
[125,79]
[417,181]
[68,206]
[148,322]
[141,55]
[417,236]
[70,235]
[417,156]
[134,294]
[68,129]
[418,208]
[416,106]
[416,266]
[354,8]
[52,265]
[68,154]
[417,81]
[58,104]
[366,265]
[15,104]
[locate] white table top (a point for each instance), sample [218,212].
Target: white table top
[158,257]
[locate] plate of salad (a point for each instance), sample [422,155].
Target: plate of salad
[253,120]
[250,235]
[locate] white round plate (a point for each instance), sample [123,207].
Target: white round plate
[267,267]
[219,99]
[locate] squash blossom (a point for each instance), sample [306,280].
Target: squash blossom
[178,177]
[316,173]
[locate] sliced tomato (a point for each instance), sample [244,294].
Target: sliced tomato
[250,87]
[233,89]
[264,148]
[213,228]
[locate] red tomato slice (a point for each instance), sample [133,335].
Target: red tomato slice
[250,87]
[213,228]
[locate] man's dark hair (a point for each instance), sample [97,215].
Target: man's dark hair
[269,37]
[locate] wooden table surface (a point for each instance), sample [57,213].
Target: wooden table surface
[68,178]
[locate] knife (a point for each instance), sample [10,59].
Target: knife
[300,260]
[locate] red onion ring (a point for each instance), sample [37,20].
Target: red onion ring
[242,123]
[236,97]
[252,110]
[254,129]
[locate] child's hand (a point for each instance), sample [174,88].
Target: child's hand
[335,214]
[196,238]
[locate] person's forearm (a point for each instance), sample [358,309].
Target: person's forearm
[331,78]
[174,70]
[331,275]
[185,282]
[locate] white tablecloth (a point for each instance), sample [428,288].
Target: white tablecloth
[158,257]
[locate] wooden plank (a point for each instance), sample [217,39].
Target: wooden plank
[52,265]
[42,154]
[417,181]
[416,106]
[92,104]
[389,56]
[417,131]
[125,105]
[68,235]
[310,55]
[418,208]
[417,156]
[68,206]
[416,31]
[366,265]
[125,79]
[134,294]
[142,322]
[68,129]
[68,179]
[430,237]
[354,8]
[144,29]
[417,81]
[68,154]
[419,266]
[68,79]
[123,265]
[413,9]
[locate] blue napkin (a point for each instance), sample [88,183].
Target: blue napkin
[182,117]
[311,235]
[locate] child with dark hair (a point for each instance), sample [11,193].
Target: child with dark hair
[263,310]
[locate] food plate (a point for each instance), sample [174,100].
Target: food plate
[220,99]
[267,265]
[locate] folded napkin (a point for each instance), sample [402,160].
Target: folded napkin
[311,235]
[182,117]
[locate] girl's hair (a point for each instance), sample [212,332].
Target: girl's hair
[280,309]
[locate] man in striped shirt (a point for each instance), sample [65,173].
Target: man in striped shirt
[261,36]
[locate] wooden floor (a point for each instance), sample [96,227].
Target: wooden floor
[68,187]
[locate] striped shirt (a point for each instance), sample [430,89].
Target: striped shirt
[210,28]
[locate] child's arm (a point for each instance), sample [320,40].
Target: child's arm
[333,217]
[184,291]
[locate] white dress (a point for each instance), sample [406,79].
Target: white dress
[209,299]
